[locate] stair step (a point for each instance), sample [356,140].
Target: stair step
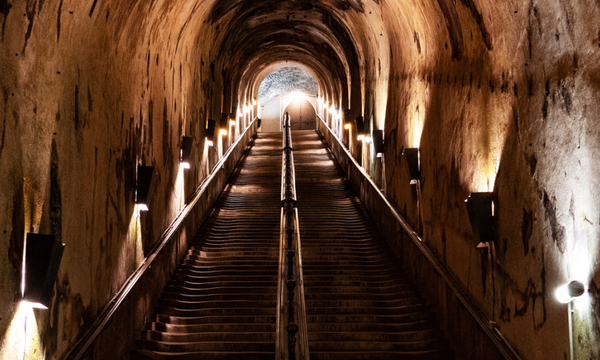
[220,336]
[205,355]
[238,346]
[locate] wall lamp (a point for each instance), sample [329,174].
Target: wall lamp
[360,127]
[566,294]
[223,124]
[187,144]
[378,141]
[42,260]
[347,126]
[481,209]
[211,125]
[144,185]
[413,160]
[569,292]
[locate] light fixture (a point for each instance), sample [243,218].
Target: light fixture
[211,126]
[223,123]
[246,109]
[232,122]
[360,126]
[368,139]
[332,110]
[187,144]
[569,292]
[145,175]
[413,160]
[360,137]
[481,209]
[254,102]
[347,126]
[378,141]
[42,260]
[566,294]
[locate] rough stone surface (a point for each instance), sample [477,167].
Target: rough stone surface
[284,81]
[499,95]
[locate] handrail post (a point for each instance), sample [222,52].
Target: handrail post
[291,316]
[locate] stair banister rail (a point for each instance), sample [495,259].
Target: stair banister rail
[292,335]
[486,326]
[82,346]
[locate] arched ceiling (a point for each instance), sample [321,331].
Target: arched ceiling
[313,33]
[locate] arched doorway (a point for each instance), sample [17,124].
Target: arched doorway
[302,113]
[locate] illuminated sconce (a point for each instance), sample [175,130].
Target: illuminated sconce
[378,141]
[254,102]
[145,177]
[481,209]
[211,126]
[187,144]
[368,139]
[42,260]
[566,294]
[360,127]
[347,126]
[569,292]
[223,124]
[413,160]
[246,109]
[360,137]
[231,122]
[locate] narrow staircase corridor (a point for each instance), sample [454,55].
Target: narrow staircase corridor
[359,306]
[221,302]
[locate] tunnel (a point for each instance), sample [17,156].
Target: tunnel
[497,99]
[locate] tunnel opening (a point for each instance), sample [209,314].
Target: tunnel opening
[288,86]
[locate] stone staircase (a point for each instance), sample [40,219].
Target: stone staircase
[359,304]
[221,302]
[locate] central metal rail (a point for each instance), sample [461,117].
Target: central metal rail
[292,335]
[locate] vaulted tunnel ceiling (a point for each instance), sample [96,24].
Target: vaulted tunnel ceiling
[498,95]
[266,32]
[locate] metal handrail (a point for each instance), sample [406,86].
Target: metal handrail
[291,312]
[105,317]
[485,324]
